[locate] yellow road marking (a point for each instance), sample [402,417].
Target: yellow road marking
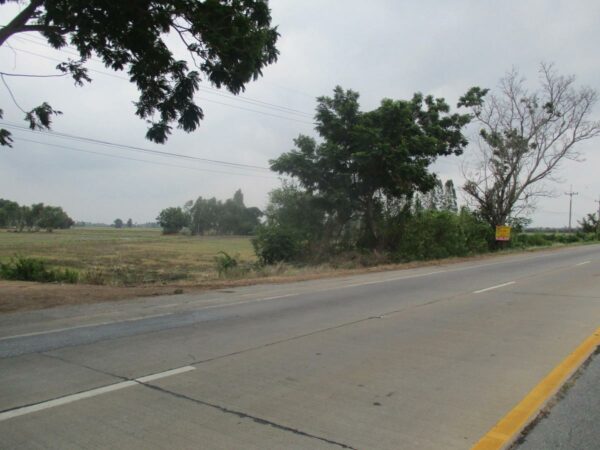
[508,428]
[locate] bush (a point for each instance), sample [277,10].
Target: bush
[225,263]
[441,234]
[34,269]
[274,244]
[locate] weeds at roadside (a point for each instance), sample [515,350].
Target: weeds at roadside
[34,269]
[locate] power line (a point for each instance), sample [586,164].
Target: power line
[11,94]
[200,98]
[145,160]
[135,148]
[30,75]
[207,89]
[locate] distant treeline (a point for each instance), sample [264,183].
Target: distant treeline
[211,216]
[35,217]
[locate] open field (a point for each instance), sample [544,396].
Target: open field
[117,264]
[126,256]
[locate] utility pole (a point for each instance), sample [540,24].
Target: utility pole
[571,194]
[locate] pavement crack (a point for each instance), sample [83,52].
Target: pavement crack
[95,369]
[243,415]
[322,330]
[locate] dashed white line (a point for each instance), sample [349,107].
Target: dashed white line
[223,305]
[97,324]
[166,373]
[91,393]
[387,280]
[494,287]
[582,263]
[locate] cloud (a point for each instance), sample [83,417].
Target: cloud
[381,49]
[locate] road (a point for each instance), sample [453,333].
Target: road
[427,358]
[571,423]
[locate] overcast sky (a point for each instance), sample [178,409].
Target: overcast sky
[379,48]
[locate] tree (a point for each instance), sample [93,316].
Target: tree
[367,157]
[525,135]
[118,223]
[449,199]
[33,217]
[129,223]
[229,42]
[172,220]
[53,217]
[589,224]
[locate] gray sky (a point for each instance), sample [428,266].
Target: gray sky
[379,48]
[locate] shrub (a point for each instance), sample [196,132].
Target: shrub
[274,244]
[440,234]
[225,263]
[34,269]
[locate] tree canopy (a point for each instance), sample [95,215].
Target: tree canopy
[34,217]
[229,42]
[365,159]
[212,216]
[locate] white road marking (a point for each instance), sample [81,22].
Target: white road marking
[91,393]
[224,305]
[494,287]
[274,297]
[387,280]
[167,373]
[582,263]
[168,305]
[97,324]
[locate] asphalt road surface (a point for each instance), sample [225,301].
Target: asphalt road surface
[429,358]
[572,423]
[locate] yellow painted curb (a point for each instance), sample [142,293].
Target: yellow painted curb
[506,431]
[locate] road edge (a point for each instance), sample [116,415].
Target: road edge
[508,429]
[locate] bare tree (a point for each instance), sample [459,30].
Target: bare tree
[524,136]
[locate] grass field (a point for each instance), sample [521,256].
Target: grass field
[127,256]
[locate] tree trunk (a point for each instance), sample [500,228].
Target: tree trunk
[18,24]
[371,227]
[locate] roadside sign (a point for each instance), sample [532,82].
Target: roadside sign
[502,233]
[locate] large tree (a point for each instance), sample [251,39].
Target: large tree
[525,135]
[366,158]
[229,42]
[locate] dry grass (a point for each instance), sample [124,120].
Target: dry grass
[127,257]
[130,263]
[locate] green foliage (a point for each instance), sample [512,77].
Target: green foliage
[225,263]
[368,158]
[172,220]
[525,240]
[212,216]
[34,269]
[118,223]
[441,234]
[442,197]
[293,208]
[230,42]
[34,217]
[589,224]
[274,243]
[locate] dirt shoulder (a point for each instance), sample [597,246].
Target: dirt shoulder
[26,296]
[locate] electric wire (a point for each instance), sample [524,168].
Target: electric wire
[21,139]
[134,148]
[207,89]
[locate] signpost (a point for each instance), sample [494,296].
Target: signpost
[502,233]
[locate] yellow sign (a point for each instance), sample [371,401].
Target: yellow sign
[502,233]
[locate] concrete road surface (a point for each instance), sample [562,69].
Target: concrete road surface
[572,423]
[429,358]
